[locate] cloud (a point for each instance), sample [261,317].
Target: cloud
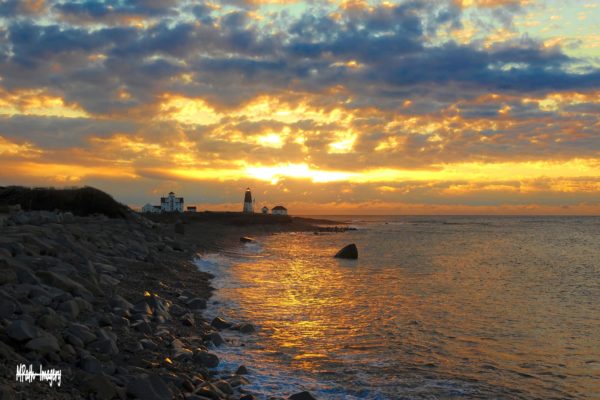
[312,98]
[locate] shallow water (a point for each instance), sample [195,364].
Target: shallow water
[434,308]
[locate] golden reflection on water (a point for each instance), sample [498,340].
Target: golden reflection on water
[479,305]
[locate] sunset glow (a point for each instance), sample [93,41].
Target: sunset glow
[395,107]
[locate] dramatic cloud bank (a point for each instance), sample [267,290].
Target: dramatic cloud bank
[456,106]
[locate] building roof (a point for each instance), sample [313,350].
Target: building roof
[279,208]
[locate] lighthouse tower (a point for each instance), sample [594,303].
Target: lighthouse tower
[248,204]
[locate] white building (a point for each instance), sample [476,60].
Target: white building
[171,203]
[149,208]
[279,210]
[248,202]
[265,210]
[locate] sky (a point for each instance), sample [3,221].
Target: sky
[326,107]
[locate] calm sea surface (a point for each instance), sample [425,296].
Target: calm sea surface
[434,308]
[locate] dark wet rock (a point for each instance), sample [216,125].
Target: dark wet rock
[50,320]
[302,396]
[62,282]
[349,251]
[69,309]
[142,326]
[119,302]
[104,346]
[148,344]
[220,323]
[6,393]
[206,359]
[90,364]
[242,370]
[7,308]
[247,397]
[74,340]
[180,351]
[246,328]
[8,353]
[196,304]
[82,332]
[246,239]
[188,320]
[21,331]
[44,345]
[238,380]
[215,338]
[100,387]
[223,386]
[7,274]
[149,388]
[143,308]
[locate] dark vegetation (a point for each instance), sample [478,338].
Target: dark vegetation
[83,201]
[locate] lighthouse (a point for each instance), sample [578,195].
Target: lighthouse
[248,203]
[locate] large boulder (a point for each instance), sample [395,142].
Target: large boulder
[349,251]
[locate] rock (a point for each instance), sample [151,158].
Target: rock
[69,308]
[247,397]
[206,359]
[246,239]
[21,331]
[104,346]
[142,308]
[349,251]
[148,344]
[62,282]
[188,320]
[74,340]
[120,302]
[100,386]
[220,323]
[7,353]
[246,328]
[90,364]
[44,345]
[82,332]
[197,304]
[224,386]
[51,320]
[7,274]
[215,338]
[179,228]
[68,218]
[142,326]
[7,308]
[302,396]
[238,380]
[6,393]
[149,388]
[242,370]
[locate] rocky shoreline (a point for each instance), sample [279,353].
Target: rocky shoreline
[115,305]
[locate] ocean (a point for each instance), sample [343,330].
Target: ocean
[434,308]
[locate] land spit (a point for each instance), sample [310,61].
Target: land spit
[116,304]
